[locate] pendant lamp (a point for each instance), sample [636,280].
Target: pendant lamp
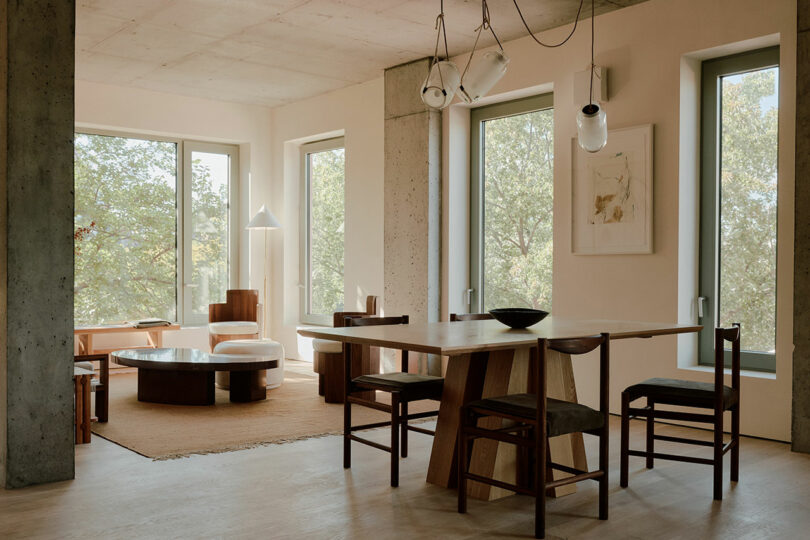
[443,78]
[480,76]
[591,119]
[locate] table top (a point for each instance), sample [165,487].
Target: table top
[455,338]
[115,328]
[191,360]
[78,372]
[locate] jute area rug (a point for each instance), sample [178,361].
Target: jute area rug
[291,412]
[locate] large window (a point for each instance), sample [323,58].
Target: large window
[738,202]
[512,190]
[152,228]
[322,242]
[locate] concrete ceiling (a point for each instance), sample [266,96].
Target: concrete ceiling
[271,52]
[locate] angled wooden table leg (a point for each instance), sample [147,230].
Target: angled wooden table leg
[462,383]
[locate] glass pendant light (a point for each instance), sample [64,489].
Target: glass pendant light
[479,77]
[591,119]
[443,78]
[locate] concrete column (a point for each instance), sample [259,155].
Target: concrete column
[801,265]
[412,201]
[36,241]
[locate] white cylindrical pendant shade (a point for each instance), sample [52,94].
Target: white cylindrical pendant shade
[484,73]
[592,128]
[441,85]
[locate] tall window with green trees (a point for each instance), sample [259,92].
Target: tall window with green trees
[131,261]
[512,195]
[323,193]
[739,202]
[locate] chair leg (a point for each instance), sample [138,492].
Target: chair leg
[735,450]
[462,463]
[604,441]
[540,483]
[650,432]
[395,439]
[624,455]
[718,456]
[347,430]
[404,428]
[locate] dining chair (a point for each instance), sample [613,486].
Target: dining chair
[327,356]
[699,395]
[404,388]
[455,317]
[533,419]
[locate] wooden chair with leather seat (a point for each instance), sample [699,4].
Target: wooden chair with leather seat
[715,396]
[533,418]
[404,388]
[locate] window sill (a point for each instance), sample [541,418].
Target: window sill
[743,372]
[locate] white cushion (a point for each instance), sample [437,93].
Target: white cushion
[257,347]
[327,346]
[233,327]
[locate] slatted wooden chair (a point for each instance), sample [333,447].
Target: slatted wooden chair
[455,317]
[535,417]
[715,396]
[327,356]
[404,388]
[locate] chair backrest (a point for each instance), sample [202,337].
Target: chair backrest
[339,317]
[240,305]
[721,335]
[455,317]
[380,321]
[575,346]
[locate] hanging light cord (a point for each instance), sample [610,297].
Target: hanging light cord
[485,25]
[593,66]
[441,30]
[551,46]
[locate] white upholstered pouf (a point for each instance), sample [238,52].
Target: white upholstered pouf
[233,327]
[257,347]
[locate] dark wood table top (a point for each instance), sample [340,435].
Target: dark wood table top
[191,360]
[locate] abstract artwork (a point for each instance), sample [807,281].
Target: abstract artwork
[612,195]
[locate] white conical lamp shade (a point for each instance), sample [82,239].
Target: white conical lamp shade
[264,219]
[483,74]
[441,85]
[592,127]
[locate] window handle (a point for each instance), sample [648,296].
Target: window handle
[701,302]
[468,296]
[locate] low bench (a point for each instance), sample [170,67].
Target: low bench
[154,336]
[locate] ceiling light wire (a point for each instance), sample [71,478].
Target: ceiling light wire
[563,42]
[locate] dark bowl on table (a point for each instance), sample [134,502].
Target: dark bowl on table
[518,318]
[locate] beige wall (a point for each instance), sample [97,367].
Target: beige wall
[643,46]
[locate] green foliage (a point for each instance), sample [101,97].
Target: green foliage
[748,207]
[327,210]
[518,199]
[126,263]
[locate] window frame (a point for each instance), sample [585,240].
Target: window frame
[183,150]
[305,285]
[712,71]
[478,116]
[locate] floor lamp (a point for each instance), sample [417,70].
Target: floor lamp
[265,221]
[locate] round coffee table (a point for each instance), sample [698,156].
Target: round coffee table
[186,376]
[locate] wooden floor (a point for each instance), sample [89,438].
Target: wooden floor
[300,490]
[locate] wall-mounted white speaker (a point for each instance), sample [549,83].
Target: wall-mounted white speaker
[582,84]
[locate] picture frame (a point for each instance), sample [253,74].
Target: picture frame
[612,195]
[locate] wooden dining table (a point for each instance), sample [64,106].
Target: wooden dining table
[486,358]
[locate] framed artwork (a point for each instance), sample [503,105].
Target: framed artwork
[612,204]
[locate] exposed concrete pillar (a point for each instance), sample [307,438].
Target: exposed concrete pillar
[412,200]
[36,241]
[801,266]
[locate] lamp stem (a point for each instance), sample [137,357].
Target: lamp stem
[264,288]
